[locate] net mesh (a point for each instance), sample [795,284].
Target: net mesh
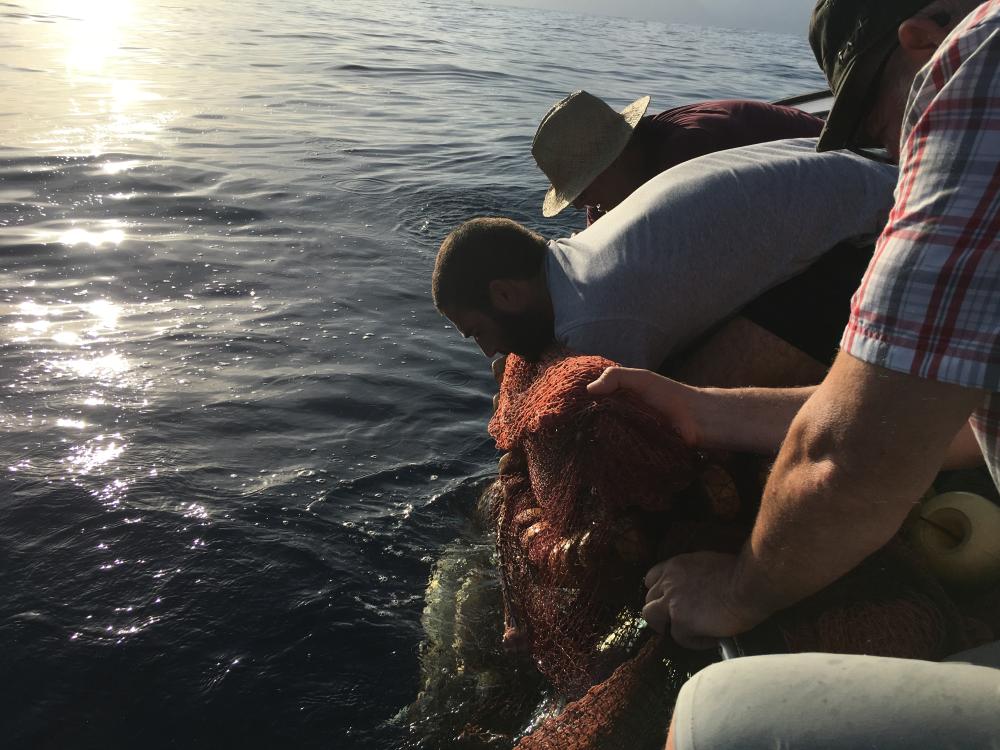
[472,694]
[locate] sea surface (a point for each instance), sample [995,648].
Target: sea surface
[235,433]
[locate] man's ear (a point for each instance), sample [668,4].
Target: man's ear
[920,36]
[508,295]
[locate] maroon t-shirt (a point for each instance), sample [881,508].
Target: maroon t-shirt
[679,134]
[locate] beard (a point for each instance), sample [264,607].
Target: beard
[526,334]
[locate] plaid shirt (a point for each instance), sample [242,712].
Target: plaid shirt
[929,304]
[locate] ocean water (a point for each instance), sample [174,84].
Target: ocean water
[235,433]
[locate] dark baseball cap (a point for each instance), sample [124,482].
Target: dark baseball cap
[852,40]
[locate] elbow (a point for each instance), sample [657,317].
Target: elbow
[846,480]
[811,450]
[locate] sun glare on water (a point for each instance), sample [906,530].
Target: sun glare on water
[96,34]
[104,85]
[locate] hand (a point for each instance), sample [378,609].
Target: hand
[676,401]
[498,366]
[693,596]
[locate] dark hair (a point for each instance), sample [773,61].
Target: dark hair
[478,252]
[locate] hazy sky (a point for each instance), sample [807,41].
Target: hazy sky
[787,16]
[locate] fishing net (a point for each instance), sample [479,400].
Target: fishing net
[472,694]
[592,493]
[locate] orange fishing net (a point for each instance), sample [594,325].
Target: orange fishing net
[593,492]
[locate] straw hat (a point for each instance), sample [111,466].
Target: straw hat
[577,140]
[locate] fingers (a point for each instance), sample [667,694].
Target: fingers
[657,615]
[656,611]
[688,640]
[498,366]
[607,382]
[654,574]
[681,404]
[614,378]
[682,600]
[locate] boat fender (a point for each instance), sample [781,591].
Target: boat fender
[958,536]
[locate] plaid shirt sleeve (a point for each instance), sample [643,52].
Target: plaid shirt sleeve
[929,304]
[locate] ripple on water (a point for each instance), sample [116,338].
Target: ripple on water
[453,377]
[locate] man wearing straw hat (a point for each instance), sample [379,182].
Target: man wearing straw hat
[916,385]
[596,157]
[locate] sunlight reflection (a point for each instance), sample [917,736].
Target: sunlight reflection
[126,93]
[94,453]
[70,324]
[94,36]
[107,314]
[110,90]
[34,327]
[113,493]
[194,510]
[77,236]
[75,424]
[33,308]
[104,84]
[67,338]
[117,167]
[105,367]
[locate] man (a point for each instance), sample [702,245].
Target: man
[681,254]
[916,380]
[595,157]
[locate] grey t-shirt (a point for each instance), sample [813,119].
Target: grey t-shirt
[699,241]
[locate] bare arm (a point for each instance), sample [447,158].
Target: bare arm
[862,449]
[752,420]
[864,446]
[858,454]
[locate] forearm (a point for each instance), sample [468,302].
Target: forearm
[756,420]
[858,456]
[751,420]
[817,522]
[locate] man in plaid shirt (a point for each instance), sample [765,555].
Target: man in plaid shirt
[913,389]
[929,305]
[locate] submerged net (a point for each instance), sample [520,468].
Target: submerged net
[472,695]
[592,493]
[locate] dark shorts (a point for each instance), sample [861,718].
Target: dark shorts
[811,310]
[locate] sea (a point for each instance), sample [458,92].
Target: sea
[236,435]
